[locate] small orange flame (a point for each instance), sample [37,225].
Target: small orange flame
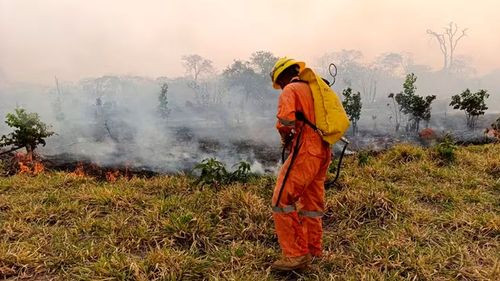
[38,168]
[27,165]
[79,172]
[112,176]
[23,169]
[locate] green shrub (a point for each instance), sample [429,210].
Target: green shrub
[445,149]
[213,172]
[364,158]
[242,172]
[29,131]
[352,105]
[474,105]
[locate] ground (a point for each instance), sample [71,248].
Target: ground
[403,214]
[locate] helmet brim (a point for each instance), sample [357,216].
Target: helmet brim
[301,64]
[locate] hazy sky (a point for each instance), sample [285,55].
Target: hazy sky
[74,39]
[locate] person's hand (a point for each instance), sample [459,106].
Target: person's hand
[286,139]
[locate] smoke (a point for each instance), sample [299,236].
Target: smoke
[115,120]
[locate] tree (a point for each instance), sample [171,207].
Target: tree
[397,111]
[352,105]
[29,131]
[240,74]
[163,109]
[390,63]
[421,110]
[472,103]
[462,66]
[195,65]
[263,62]
[448,41]
[417,108]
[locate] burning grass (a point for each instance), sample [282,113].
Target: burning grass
[402,215]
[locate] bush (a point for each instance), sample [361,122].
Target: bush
[352,105]
[446,150]
[416,107]
[29,131]
[364,158]
[472,103]
[241,174]
[213,172]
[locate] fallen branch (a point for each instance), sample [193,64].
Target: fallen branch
[11,150]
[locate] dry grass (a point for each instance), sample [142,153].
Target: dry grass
[399,216]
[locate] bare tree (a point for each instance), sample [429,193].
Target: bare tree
[196,65]
[448,41]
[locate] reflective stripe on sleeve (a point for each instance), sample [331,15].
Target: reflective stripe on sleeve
[310,214]
[285,210]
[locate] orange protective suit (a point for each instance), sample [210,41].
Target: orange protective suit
[297,215]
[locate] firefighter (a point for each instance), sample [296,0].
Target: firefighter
[298,198]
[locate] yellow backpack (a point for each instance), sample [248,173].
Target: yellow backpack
[331,119]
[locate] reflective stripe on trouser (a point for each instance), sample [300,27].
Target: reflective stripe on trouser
[300,232]
[285,209]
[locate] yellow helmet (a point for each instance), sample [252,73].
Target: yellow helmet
[282,64]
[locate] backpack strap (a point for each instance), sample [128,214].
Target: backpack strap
[299,81]
[301,117]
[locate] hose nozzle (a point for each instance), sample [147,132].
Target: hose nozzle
[344,140]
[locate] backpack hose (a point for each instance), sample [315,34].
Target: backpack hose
[294,155]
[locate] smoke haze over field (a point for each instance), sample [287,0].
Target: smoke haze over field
[111,59]
[78,39]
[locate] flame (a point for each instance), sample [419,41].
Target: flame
[79,172]
[27,165]
[112,176]
[23,169]
[38,168]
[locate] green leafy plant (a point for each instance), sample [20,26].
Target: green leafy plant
[242,172]
[29,131]
[352,105]
[364,158]
[446,149]
[416,107]
[213,172]
[332,169]
[472,103]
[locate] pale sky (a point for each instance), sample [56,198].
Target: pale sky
[74,39]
